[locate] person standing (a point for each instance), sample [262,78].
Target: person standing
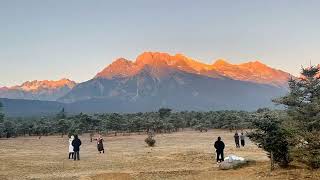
[237,139]
[91,137]
[242,138]
[71,152]
[100,144]
[219,145]
[76,143]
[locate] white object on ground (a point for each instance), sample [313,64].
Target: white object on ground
[231,162]
[232,158]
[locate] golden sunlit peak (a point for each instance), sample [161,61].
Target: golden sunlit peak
[152,54]
[121,61]
[255,63]
[48,84]
[220,62]
[181,55]
[184,57]
[148,57]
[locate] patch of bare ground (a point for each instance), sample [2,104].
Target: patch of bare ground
[182,155]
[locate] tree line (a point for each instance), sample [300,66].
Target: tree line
[162,121]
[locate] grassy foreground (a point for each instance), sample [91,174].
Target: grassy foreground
[182,155]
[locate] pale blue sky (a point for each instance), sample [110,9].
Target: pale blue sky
[52,39]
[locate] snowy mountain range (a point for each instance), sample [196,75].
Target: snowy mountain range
[155,80]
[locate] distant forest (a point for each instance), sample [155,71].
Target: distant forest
[162,121]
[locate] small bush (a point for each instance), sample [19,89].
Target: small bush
[150,141]
[314,162]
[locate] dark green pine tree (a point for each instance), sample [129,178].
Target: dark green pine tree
[61,114]
[164,112]
[303,106]
[1,121]
[1,114]
[270,135]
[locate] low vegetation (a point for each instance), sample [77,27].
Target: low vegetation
[150,141]
[163,121]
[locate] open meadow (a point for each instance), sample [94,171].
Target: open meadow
[182,155]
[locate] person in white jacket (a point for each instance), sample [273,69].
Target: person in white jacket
[71,152]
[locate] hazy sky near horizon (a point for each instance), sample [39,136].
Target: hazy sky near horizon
[44,39]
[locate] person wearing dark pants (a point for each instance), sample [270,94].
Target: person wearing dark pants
[71,155]
[236,140]
[100,144]
[242,137]
[76,143]
[219,145]
[220,156]
[76,155]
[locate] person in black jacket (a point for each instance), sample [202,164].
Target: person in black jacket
[76,143]
[100,144]
[237,139]
[219,145]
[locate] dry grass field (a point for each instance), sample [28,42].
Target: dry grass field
[182,155]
